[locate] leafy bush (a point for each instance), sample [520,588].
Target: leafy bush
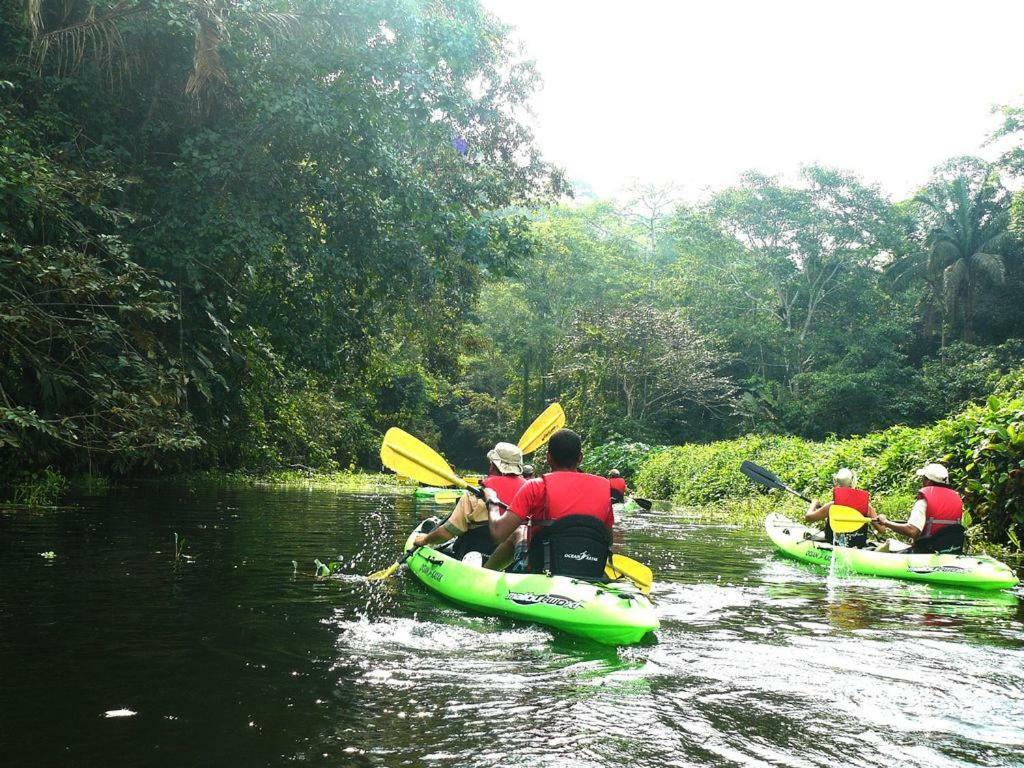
[36,489]
[983,447]
[623,455]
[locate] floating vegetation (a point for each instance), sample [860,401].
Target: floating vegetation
[323,571]
[48,555]
[179,549]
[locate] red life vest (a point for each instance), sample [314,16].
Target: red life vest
[506,486]
[851,497]
[618,484]
[944,507]
[578,493]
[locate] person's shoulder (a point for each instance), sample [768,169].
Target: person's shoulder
[532,486]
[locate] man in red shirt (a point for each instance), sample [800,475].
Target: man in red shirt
[567,515]
[618,486]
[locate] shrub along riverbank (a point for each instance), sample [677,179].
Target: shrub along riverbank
[983,446]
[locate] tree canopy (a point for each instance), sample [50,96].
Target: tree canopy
[258,234]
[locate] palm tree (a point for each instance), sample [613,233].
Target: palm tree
[70,32]
[969,228]
[962,247]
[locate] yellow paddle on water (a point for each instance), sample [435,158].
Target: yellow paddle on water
[633,570]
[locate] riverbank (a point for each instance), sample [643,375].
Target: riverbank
[983,446]
[45,488]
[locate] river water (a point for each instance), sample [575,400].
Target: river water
[112,652]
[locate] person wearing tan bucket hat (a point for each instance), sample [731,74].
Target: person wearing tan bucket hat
[935,523]
[468,522]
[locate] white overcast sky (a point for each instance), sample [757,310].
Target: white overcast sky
[698,92]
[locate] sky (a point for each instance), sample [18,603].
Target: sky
[695,93]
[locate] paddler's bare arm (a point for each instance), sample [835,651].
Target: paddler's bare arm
[503,524]
[451,527]
[905,529]
[817,511]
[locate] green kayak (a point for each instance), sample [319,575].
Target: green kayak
[613,614]
[627,507]
[438,495]
[978,571]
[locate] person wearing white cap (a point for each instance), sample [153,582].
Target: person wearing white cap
[936,519]
[469,520]
[844,493]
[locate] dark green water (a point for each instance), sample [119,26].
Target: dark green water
[231,658]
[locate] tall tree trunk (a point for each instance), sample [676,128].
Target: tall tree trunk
[524,399]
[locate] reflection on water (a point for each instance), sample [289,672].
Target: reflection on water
[239,655]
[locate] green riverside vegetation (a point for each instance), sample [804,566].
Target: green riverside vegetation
[983,446]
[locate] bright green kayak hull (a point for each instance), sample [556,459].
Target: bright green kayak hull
[610,614]
[626,507]
[979,572]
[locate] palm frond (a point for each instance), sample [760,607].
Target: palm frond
[276,23]
[34,12]
[954,280]
[95,37]
[945,251]
[207,66]
[991,265]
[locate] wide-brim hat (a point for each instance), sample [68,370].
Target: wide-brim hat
[934,472]
[507,458]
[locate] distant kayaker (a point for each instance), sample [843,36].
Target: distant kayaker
[618,486]
[569,517]
[468,520]
[844,493]
[935,523]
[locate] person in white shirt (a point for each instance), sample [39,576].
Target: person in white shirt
[938,509]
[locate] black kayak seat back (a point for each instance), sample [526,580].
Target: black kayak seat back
[856,540]
[950,540]
[576,545]
[476,539]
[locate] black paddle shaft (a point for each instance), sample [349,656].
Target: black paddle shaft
[762,476]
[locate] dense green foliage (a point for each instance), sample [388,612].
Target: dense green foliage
[246,234]
[255,235]
[983,446]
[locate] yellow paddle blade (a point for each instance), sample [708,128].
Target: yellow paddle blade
[633,570]
[409,456]
[845,519]
[543,427]
[385,574]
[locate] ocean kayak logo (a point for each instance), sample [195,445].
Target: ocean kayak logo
[579,556]
[531,598]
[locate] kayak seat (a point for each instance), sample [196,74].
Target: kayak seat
[949,540]
[476,539]
[576,545]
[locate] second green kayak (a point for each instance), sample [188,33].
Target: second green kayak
[437,495]
[977,571]
[612,614]
[626,507]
